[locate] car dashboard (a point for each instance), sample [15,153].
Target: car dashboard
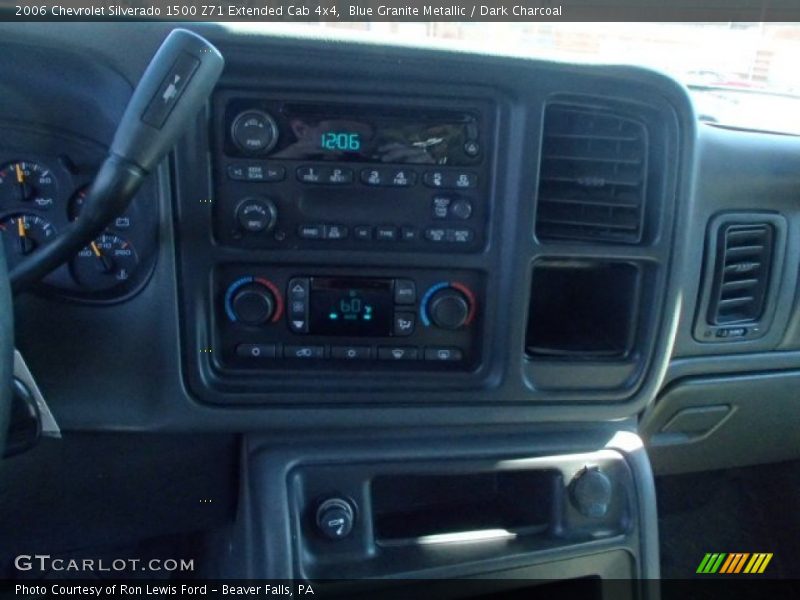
[362,255]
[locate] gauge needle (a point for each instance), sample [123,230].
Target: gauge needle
[25,244]
[20,174]
[105,262]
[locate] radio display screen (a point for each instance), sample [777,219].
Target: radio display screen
[365,135]
[351,306]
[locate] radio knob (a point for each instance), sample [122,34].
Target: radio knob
[253,304]
[449,308]
[256,215]
[254,132]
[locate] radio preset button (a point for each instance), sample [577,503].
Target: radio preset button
[450,179]
[464,180]
[443,354]
[256,351]
[351,352]
[398,353]
[435,179]
[304,352]
[311,174]
[402,178]
[373,176]
[386,233]
[338,176]
[404,323]
[405,291]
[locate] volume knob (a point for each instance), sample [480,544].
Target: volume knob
[449,308]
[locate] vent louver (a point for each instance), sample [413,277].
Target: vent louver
[593,176]
[741,274]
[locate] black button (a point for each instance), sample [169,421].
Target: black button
[256,351]
[461,209]
[303,351]
[404,323]
[351,352]
[405,291]
[374,176]
[312,174]
[408,234]
[298,288]
[398,353]
[435,179]
[363,232]
[255,215]
[472,148]
[170,90]
[274,173]
[339,176]
[443,354]
[311,232]
[335,232]
[435,234]
[237,172]
[459,236]
[386,233]
[441,206]
[401,178]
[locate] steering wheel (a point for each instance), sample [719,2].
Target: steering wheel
[6,349]
[173,89]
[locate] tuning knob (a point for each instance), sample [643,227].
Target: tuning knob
[449,308]
[256,215]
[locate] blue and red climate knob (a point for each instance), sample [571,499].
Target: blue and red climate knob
[448,305]
[253,301]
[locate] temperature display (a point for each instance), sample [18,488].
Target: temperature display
[358,307]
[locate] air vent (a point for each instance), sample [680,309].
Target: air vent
[593,176]
[741,274]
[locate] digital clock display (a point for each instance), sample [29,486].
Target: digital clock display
[340,141]
[348,306]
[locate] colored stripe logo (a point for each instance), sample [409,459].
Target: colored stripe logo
[734,563]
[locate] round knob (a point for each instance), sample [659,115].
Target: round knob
[335,518]
[253,304]
[591,492]
[448,308]
[256,215]
[254,132]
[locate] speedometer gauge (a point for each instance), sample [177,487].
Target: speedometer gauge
[24,182]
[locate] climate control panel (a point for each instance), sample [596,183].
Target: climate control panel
[283,317]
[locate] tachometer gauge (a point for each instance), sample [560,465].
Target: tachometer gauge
[27,182]
[107,262]
[23,234]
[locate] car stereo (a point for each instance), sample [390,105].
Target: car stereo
[298,173]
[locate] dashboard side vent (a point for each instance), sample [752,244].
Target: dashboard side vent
[593,176]
[741,273]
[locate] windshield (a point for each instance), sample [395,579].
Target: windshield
[741,74]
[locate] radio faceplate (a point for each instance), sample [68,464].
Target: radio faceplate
[302,174]
[286,317]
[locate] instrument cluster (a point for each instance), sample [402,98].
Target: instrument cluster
[42,194]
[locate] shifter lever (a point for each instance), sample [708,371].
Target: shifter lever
[174,87]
